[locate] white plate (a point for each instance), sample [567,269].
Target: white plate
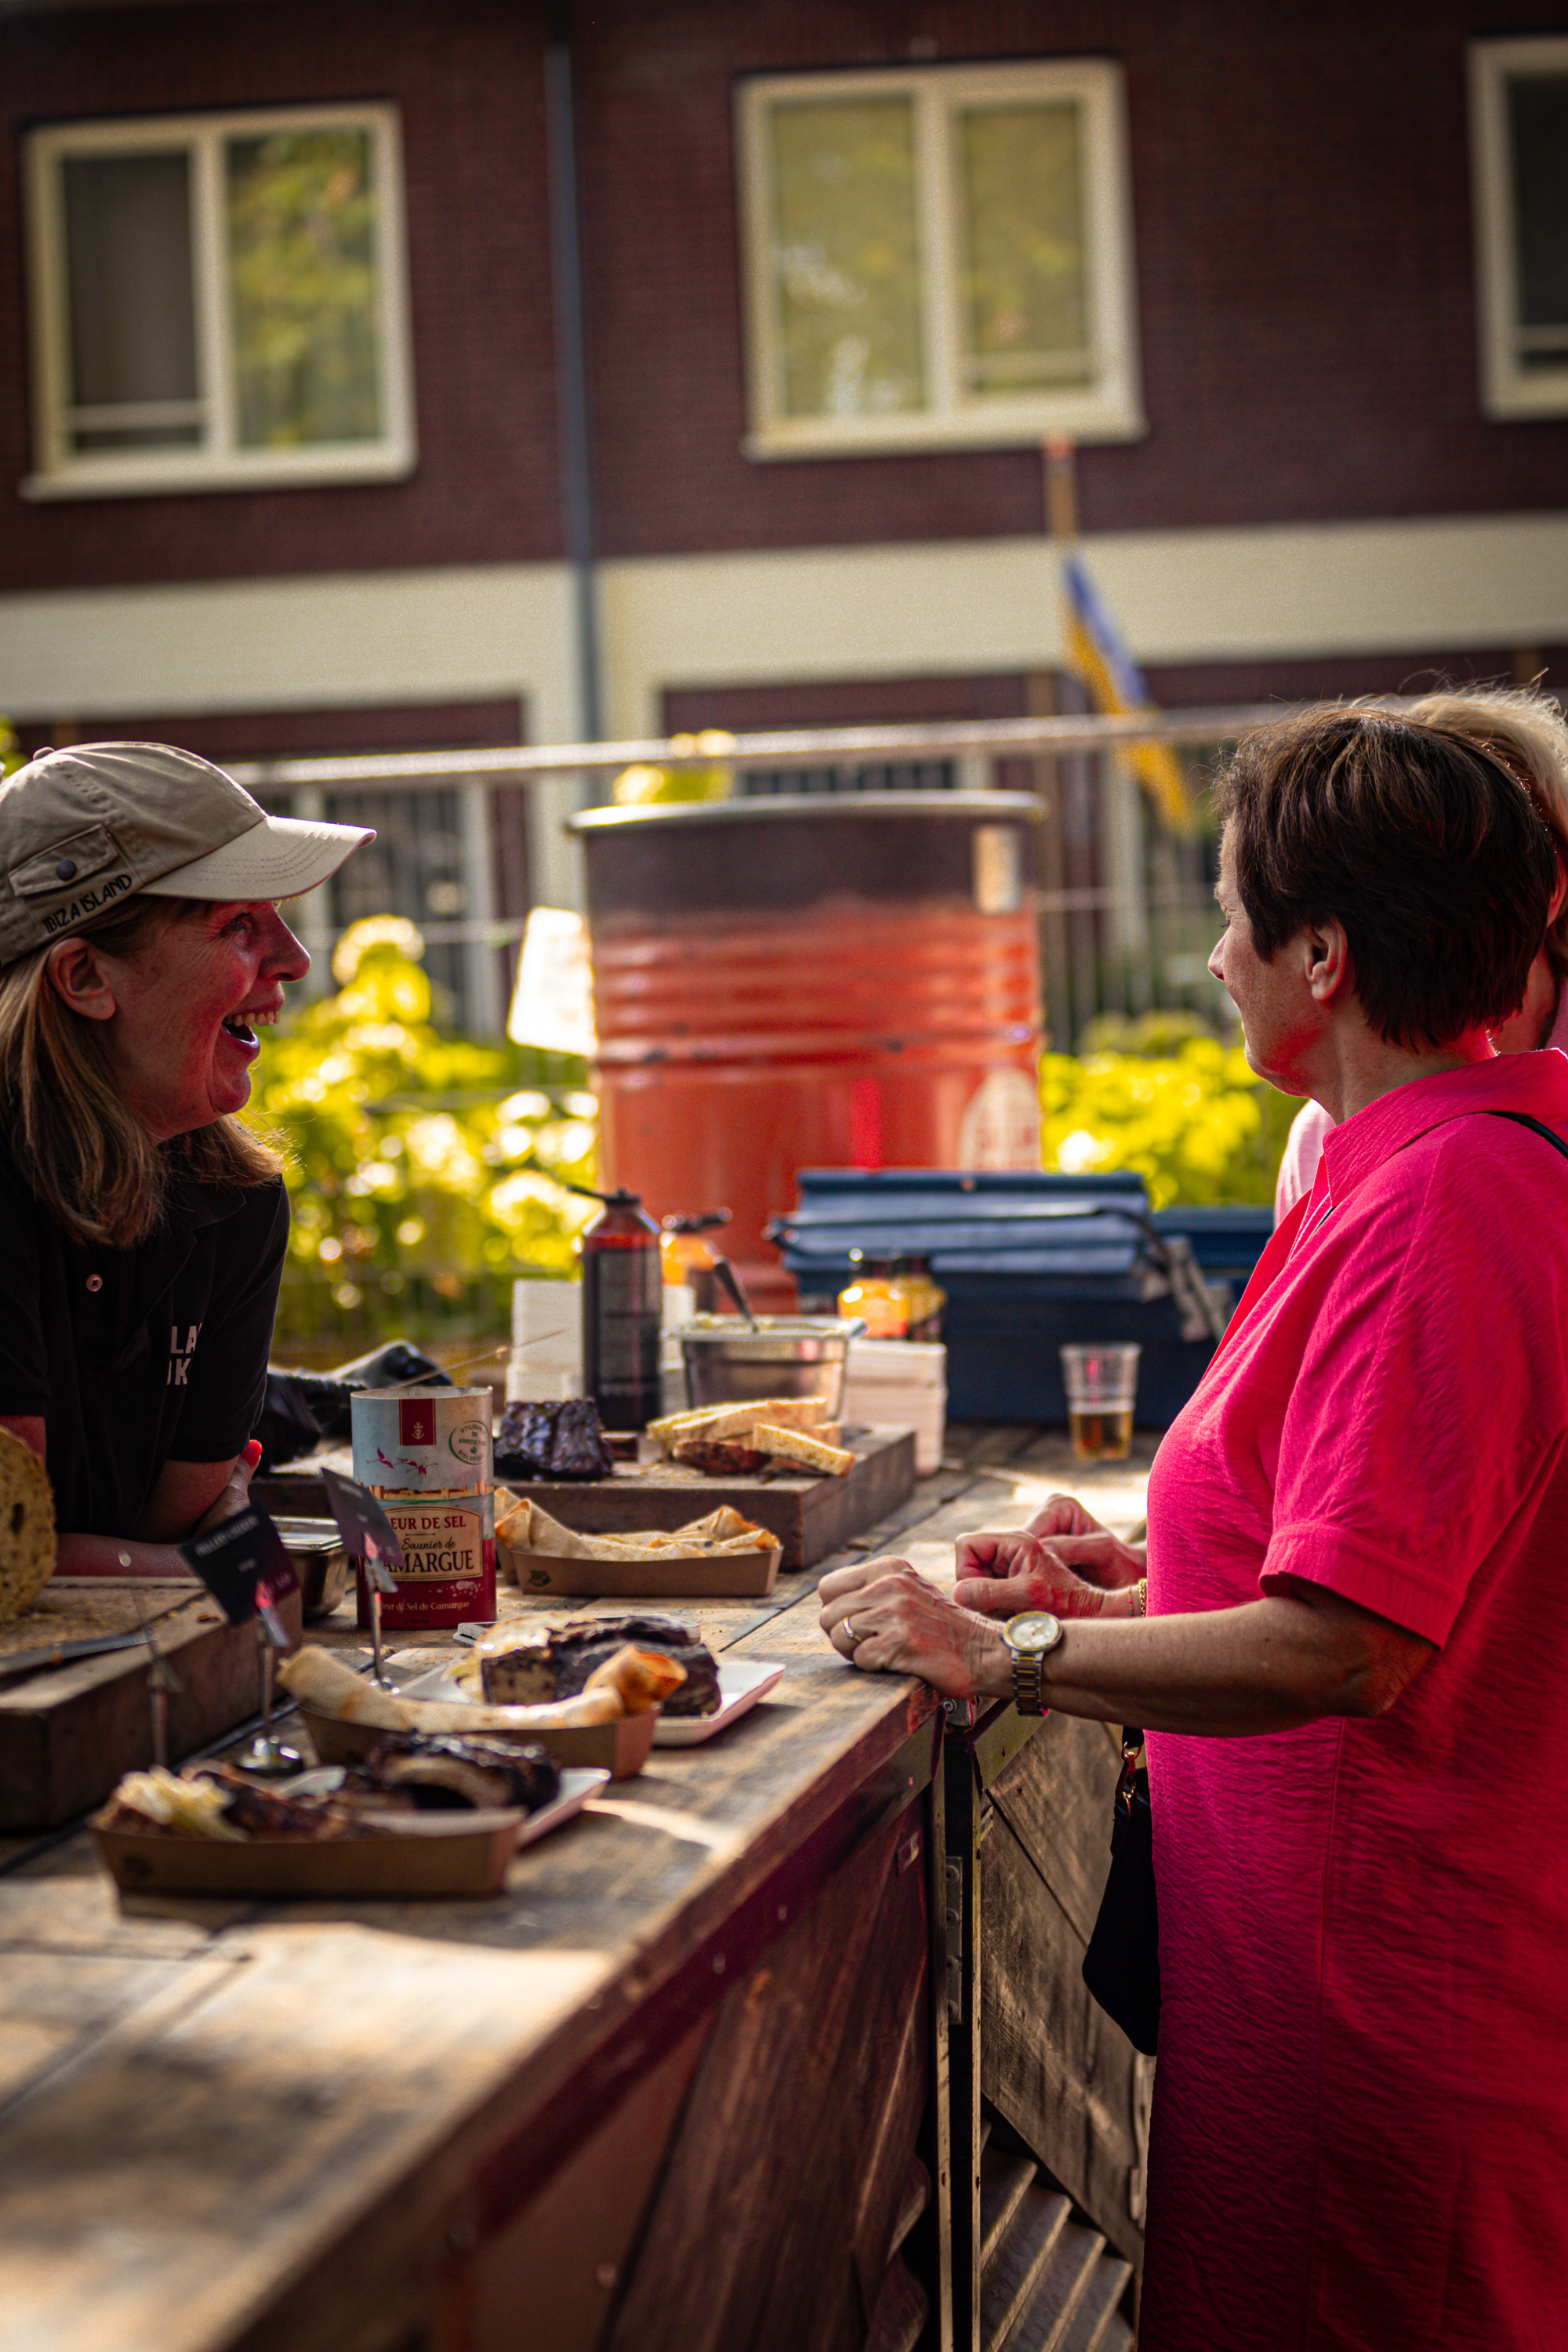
[742,1682]
[578,1783]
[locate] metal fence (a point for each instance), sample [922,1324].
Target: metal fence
[1127,912]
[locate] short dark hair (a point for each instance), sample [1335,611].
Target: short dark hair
[1429,850]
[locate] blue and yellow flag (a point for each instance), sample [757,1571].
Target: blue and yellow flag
[1094,650]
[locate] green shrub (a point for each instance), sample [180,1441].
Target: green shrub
[423,1166]
[1198,1124]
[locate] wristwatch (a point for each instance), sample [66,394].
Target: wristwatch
[1029,1638]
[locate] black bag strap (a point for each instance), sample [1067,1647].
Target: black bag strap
[1132,1748]
[1523,1118]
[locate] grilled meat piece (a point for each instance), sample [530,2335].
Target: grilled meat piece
[269,1812]
[580,1451]
[553,1441]
[718,1458]
[523,1441]
[433,1774]
[558,1662]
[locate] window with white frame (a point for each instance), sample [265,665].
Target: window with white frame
[219,300]
[938,257]
[1519,118]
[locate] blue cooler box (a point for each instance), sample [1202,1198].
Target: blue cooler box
[1029,1261]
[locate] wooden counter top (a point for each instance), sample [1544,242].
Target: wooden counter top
[227,2124]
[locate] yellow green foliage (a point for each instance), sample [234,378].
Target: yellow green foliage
[414,1152]
[1196,1123]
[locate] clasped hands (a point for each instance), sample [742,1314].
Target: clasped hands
[883,1615]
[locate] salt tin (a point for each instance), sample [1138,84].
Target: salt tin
[425,1454]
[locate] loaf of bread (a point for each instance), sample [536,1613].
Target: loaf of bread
[716,1423]
[27,1526]
[810,1453]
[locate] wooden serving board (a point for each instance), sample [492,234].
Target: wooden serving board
[69,1733]
[811,1516]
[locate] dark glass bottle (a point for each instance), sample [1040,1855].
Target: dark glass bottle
[622,1307]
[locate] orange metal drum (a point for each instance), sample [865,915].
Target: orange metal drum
[822,981]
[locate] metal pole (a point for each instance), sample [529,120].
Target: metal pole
[571,372]
[804,746]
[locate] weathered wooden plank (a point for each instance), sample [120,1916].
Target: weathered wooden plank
[784,2069]
[1021,2254]
[914,2198]
[1057,1799]
[1054,2301]
[902,2308]
[60,2004]
[1003,2179]
[1052,2063]
[548,2280]
[1092,2322]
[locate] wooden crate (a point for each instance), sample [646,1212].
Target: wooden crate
[811,1516]
[66,1735]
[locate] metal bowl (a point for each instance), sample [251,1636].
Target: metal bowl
[786,1355]
[320,1562]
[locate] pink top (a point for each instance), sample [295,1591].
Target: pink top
[1304,1144]
[1361,2109]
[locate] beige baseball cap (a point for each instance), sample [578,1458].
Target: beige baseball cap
[83,828]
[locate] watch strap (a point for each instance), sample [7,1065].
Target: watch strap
[1028,1682]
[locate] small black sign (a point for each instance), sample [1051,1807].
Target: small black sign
[243,1564]
[368,1534]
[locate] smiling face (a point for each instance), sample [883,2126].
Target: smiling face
[187,1004]
[1281,1018]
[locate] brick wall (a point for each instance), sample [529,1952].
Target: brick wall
[1300,196]
[467,76]
[1301,212]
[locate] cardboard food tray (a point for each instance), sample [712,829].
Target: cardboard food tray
[429,1853]
[620,1746]
[656,1576]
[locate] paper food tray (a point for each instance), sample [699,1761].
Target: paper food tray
[656,1576]
[619,1747]
[427,1854]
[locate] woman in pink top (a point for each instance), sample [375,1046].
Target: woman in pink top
[1350,1663]
[1527,732]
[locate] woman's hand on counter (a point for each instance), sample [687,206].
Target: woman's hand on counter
[1098,1556]
[882,1616]
[235,1493]
[999,1575]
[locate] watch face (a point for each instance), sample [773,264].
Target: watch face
[1036,1631]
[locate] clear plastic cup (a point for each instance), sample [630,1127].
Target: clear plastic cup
[1102,1386]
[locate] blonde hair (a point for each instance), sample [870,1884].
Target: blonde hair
[1526,730]
[88,1159]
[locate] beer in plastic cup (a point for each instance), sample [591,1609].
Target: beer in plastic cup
[1102,1386]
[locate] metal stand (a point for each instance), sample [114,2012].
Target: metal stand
[162,1680]
[378,1674]
[268,1758]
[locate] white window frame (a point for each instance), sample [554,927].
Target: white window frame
[1110,410]
[1507,389]
[218,463]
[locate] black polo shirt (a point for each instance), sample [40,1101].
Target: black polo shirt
[138,1356]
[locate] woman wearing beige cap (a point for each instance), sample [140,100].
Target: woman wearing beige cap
[143,1227]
